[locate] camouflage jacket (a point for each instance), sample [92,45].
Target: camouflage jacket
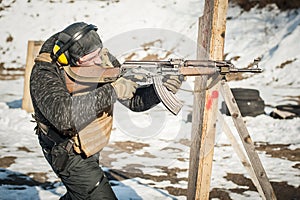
[57,108]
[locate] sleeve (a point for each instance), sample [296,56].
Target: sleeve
[144,99]
[63,111]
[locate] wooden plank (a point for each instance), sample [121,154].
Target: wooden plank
[210,46]
[196,137]
[240,153]
[33,49]
[247,142]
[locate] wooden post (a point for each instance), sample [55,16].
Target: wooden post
[256,164]
[211,32]
[240,153]
[33,49]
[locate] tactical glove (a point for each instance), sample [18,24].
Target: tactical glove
[124,88]
[172,82]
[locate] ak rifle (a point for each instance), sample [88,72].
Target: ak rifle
[152,72]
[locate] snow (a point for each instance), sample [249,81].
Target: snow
[160,140]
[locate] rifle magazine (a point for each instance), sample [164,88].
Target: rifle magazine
[170,101]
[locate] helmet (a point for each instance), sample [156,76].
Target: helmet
[74,42]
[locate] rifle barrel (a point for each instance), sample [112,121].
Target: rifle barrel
[254,70]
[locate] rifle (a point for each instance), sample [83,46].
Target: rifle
[151,72]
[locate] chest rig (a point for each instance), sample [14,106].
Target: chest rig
[95,136]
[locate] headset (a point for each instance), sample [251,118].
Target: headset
[60,50]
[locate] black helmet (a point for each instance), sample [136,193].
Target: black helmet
[76,41]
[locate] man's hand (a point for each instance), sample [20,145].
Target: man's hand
[172,82]
[124,88]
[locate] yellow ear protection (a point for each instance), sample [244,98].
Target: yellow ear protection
[60,50]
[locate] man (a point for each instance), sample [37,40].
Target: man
[66,115]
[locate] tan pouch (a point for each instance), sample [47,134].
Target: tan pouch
[95,136]
[76,144]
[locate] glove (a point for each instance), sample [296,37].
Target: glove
[105,59]
[172,82]
[124,88]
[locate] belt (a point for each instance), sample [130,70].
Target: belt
[51,134]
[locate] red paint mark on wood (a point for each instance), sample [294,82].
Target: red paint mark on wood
[214,95]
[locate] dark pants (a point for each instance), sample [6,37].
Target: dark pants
[82,177]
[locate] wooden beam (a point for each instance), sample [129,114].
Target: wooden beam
[256,164]
[211,32]
[240,153]
[33,49]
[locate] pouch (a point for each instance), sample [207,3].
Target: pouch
[60,157]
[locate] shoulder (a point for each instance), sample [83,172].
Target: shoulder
[41,70]
[44,66]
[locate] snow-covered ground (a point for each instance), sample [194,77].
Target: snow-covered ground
[150,150]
